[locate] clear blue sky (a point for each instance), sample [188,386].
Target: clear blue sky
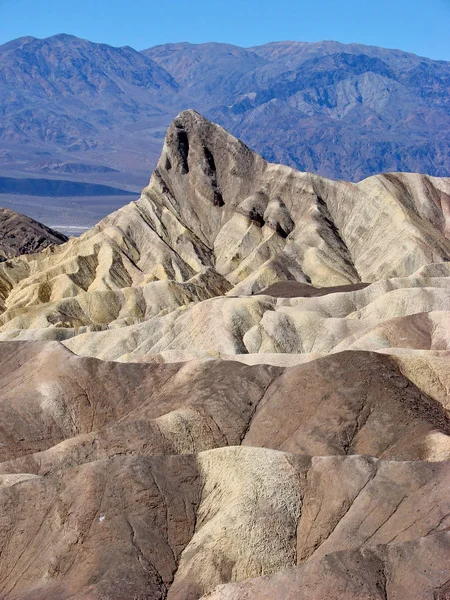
[418,26]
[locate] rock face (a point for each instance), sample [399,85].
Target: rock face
[270,414]
[219,223]
[21,235]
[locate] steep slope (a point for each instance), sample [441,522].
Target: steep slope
[79,409]
[217,219]
[21,235]
[319,469]
[381,572]
[176,526]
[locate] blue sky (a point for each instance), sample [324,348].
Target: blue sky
[411,25]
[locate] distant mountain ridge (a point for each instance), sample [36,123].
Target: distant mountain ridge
[344,111]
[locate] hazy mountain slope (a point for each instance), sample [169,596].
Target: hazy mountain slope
[391,102]
[289,55]
[70,101]
[99,113]
[213,71]
[69,93]
[93,84]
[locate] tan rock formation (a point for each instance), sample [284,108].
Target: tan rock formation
[217,219]
[236,387]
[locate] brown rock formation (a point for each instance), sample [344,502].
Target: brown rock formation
[21,235]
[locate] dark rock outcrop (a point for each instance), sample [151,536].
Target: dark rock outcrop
[21,235]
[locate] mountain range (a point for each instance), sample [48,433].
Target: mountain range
[236,386]
[82,112]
